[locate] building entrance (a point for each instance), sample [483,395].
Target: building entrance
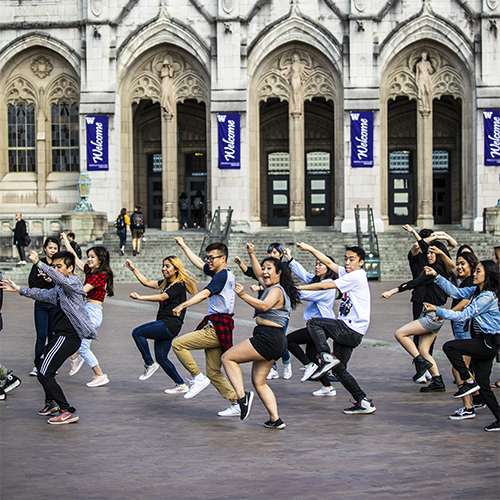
[401,188]
[441,183]
[278,188]
[318,189]
[155,196]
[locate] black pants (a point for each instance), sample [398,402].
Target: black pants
[22,253]
[482,358]
[54,354]
[298,338]
[344,341]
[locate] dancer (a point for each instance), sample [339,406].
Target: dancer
[71,325]
[483,315]
[171,291]
[122,221]
[44,312]
[98,283]
[320,305]
[268,342]
[496,258]
[426,326]
[277,251]
[8,381]
[215,332]
[348,330]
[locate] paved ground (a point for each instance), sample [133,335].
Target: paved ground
[135,442]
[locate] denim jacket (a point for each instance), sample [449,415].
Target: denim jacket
[484,307]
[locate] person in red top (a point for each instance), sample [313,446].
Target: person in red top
[98,283]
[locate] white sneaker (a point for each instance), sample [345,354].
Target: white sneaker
[76,364]
[34,372]
[428,376]
[232,411]
[196,387]
[424,379]
[98,380]
[273,373]
[149,370]
[287,371]
[325,391]
[308,371]
[21,263]
[178,389]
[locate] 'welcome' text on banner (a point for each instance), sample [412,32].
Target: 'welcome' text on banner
[228,125]
[361,138]
[97,142]
[491,137]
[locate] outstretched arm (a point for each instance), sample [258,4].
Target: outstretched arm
[195,299]
[321,285]
[143,280]
[190,254]
[320,256]
[160,297]
[270,300]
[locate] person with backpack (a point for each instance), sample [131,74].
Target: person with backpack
[74,245]
[121,223]
[138,228]
[184,210]
[198,204]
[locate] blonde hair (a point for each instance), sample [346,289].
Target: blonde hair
[497,254]
[183,276]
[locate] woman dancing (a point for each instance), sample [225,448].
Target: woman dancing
[268,342]
[425,326]
[171,291]
[98,283]
[483,315]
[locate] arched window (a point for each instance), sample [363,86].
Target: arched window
[21,137]
[64,137]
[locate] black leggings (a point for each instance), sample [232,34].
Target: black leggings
[302,336]
[482,358]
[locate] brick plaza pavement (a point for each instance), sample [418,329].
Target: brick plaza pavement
[135,442]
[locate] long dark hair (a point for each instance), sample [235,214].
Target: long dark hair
[491,279]
[471,259]
[51,239]
[104,267]
[286,280]
[330,274]
[440,264]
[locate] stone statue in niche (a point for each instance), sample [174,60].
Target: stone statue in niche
[295,73]
[168,69]
[423,72]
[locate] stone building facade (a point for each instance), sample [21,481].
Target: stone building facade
[162,70]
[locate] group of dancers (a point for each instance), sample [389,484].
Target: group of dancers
[76,309]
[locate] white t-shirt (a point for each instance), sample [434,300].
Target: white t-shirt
[355,304]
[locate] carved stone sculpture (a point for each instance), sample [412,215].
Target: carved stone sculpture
[423,72]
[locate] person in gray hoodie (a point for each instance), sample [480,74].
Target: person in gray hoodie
[71,325]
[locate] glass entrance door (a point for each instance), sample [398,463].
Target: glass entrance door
[278,189]
[441,188]
[318,201]
[155,191]
[196,184]
[400,188]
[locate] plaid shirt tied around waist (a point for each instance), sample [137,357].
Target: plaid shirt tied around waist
[223,325]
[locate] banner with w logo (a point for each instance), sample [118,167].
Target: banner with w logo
[228,125]
[97,142]
[491,118]
[361,138]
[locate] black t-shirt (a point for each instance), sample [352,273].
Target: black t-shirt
[417,264]
[36,279]
[176,295]
[62,325]
[469,281]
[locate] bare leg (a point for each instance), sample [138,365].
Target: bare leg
[260,369]
[424,346]
[97,370]
[403,334]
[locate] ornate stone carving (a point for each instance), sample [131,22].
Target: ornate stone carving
[41,66]
[151,132]
[63,88]
[492,4]
[423,72]
[20,89]
[360,5]
[96,7]
[228,6]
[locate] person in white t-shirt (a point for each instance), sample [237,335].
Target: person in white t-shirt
[348,330]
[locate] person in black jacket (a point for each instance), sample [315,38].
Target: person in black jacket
[20,233]
[44,311]
[426,327]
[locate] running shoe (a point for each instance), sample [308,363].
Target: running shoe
[50,407]
[196,387]
[463,414]
[231,411]
[178,389]
[326,362]
[65,417]
[34,372]
[98,380]
[479,406]
[273,373]
[245,404]
[325,391]
[494,426]
[308,371]
[76,364]
[466,389]
[11,382]
[277,424]
[149,370]
[365,406]
[287,371]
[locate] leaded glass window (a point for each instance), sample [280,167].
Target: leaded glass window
[65,137]
[21,140]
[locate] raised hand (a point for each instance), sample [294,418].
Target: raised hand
[130,264]
[239,289]
[250,248]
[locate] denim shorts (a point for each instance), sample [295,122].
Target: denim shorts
[427,321]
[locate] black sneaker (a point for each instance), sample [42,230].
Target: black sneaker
[326,362]
[11,382]
[466,389]
[50,407]
[2,394]
[463,414]
[277,424]
[436,385]
[246,404]
[494,426]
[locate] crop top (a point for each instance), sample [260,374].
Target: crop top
[279,316]
[99,281]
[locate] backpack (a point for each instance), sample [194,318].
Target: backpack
[120,222]
[198,203]
[137,221]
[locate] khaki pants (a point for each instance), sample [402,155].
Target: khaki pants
[206,339]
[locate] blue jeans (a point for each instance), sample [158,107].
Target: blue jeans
[459,331]
[122,234]
[184,217]
[163,340]
[44,324]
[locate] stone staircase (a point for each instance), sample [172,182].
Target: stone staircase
[393,245]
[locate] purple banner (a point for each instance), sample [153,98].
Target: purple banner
[97,142]
[228,126]
[491,137]
[361,138]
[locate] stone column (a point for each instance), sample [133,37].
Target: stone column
[170,222]
[425,216]
[297,221]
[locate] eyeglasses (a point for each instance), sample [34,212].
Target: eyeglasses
[211,258]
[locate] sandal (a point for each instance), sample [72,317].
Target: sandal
[496,385]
